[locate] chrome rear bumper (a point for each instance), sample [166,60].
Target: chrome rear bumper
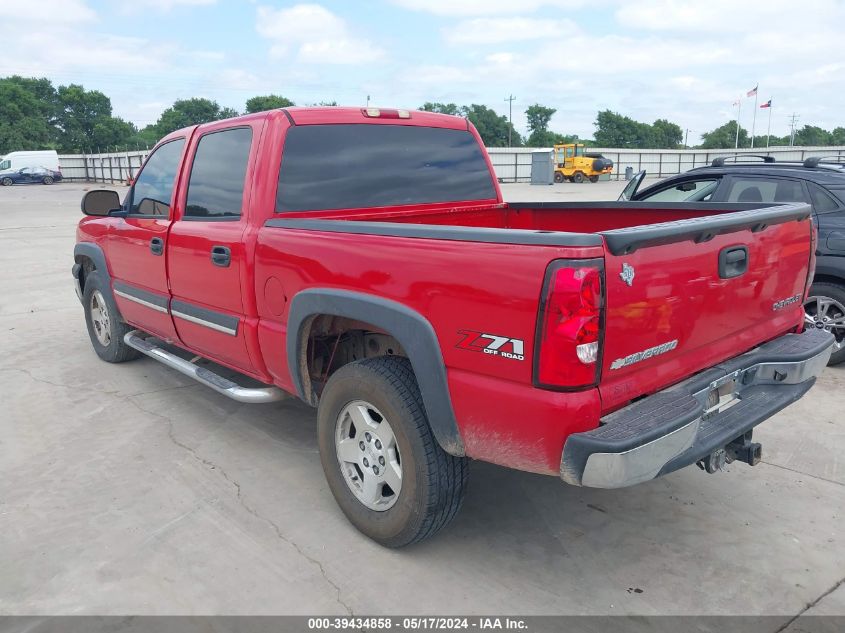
[687,422]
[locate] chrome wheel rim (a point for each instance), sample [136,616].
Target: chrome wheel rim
[826,314]
[100,318]
[368,455]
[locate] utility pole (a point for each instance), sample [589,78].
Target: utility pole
[686,138]
[368,101]
[793,119]
[510,101]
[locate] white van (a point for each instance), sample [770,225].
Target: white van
[14,161]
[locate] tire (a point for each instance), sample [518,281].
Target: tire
[833,307]
[559,177]
[105,328]
[578,177]
[594,179]
[6,182]
[363,395]
[48,180]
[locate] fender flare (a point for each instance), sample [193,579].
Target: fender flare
[411,329]
[96,255]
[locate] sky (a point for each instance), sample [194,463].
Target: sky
[647,59]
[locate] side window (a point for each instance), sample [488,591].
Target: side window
[154,185]
[687,191]
[765,190]
[216,187]
[6,164]
[823,202]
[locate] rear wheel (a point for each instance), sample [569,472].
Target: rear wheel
[594,178]
[48,180]
[578,177]
[825,309]
[559,177]
[383,465]
[6,182]
[105,328]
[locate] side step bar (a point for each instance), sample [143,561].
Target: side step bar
[202,375]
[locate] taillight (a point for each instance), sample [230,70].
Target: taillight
[568,341]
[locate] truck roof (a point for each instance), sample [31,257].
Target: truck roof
[322,115]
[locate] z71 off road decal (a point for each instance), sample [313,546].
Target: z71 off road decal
[492,344]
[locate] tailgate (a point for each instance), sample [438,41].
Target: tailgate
[686,295]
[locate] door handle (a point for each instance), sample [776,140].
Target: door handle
[221,256]
[156,246]
[733,261]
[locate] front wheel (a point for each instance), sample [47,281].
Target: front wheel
[105,328]
[6,182]
[825,309]
[559,177]
[383,465]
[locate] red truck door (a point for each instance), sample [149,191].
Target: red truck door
[136,243]
[206,249]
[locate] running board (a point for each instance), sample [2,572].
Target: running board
[202,375]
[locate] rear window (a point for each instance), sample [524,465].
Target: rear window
[359,165]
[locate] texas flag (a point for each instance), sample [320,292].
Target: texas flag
[768,104]
[752,92]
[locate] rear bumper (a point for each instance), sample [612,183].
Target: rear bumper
[685,423]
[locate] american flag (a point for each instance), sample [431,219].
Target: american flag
[752,92]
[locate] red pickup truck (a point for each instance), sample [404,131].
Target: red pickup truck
[364,260]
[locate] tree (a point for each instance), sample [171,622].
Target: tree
[538,123]
[492,127]
[724,137]
[267,102]
[442,108]
[837,136]
[812,135]
[84,121]
[24,121]
[666,135]
[185,112]
[615,130]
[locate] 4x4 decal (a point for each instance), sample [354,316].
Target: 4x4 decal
[492,344]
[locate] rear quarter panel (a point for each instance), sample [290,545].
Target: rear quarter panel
[457,287]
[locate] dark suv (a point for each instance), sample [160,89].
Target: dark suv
[819,181]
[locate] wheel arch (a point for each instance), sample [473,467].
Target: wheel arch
[830,269]
[88,257]
[413,331]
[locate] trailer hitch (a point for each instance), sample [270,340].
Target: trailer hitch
[741,449]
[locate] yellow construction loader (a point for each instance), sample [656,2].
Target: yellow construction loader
[575,164]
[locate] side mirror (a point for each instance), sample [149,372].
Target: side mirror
[100,202]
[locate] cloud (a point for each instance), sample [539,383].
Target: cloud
[485,7]
[508,29]
[166,5]
[52,12]
[313,34]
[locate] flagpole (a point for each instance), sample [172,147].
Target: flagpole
[738,111]
[769,129]
[754,119]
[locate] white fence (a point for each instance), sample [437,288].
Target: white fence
[511,164]
[112,168]
[514,164]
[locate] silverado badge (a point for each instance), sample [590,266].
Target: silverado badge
[627,274]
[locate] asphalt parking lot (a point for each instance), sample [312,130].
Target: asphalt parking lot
[130,489]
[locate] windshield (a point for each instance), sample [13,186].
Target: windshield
[5,164]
